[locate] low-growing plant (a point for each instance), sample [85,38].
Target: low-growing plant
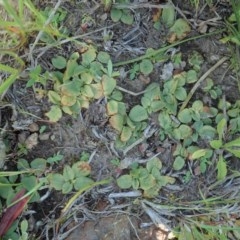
[73,178]
[148,179]
[117,14]
[77,84]
[33,176]
[220,146]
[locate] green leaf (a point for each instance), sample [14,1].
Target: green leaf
[179,163]
[5,188]
[185,116]
[54,114]
[221,168]
[121,108]
[135,184]
[191,76]
[233,143]
[103,57]
[146,102]
[146,67]
[138,114]
[168,16]
[116,95]
[147,182]
[39,164]
[181,28]
[81,168]
[196,60]
[157,106]
[207,132]
[116,14]
[55,158]
[54,97]
[108,84]
[235,152]
[82,182]
[107,4]
[112,107]
[183,132]
[198,154]
[221,128]
[156,173]
[216,144]
[71,66]
[22,164]
[56,181]
[181,93]
[125,181]
[164,180]
[67,109]
[68,100]
[151,192]
[67,187]
[198,106]
[88,91]
[68,173]
[154,163]
[59,62]
[164,120]
[87,78]
[89,56]
[24,226]
[116,122]
[125,134]
[29,182]
[127,17]
[71,88]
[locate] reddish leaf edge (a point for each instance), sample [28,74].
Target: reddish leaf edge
[13,212]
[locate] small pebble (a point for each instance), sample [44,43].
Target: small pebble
[31,141]
[44,136]
[33,127]
[23,136]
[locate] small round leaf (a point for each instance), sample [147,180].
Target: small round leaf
[54,114]
[59,62]
[185,116]
[126,134]
[103,57]
[125,181]
[138,114]
[116,14]
[179,163]
[146,67]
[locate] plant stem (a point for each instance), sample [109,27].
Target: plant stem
[164,49]
[201,79]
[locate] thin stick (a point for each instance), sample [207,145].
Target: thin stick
[201,79]
[164,49]
[130,92]
[140,5]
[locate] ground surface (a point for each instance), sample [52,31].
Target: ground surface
[96,215]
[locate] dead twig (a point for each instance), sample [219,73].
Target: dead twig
[130,92]
[201,79]
[139,5]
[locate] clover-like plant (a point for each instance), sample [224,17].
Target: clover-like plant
[148,179]
[74,177]
[123,15]
[220,146]
[77,83]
